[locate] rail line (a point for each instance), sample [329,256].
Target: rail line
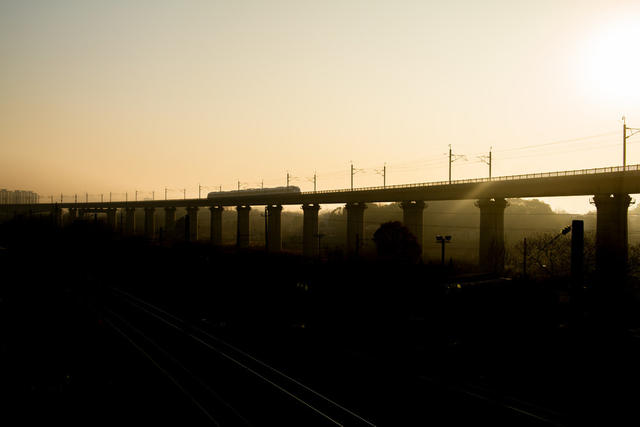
[323,406]
[329,410]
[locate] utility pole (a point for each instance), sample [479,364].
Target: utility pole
[109,196]
[136,196]
[266,229]
[383,172]
[524,258]
[101,198]
[384,175]
[199,191]
[453,158]
[627,132]
[320,236]
[184,193]
[75,198]
[86,197]
[624,143]
[262,184]
[487,160]
[165,193]
[313,180]
[153,195]
[290,178]
[353,172]
[61,197]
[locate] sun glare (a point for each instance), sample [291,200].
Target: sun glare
[611,65]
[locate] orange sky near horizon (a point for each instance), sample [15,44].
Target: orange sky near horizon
[102,97]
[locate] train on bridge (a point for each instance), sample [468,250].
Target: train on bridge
[291,189]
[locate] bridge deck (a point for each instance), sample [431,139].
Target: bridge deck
[564,183]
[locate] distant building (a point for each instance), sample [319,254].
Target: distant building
[18,197]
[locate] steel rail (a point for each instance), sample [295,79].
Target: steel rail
[150,308]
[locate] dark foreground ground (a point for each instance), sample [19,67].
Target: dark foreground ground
[397,345]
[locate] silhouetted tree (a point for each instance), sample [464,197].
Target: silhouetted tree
[395,242]
[549,256]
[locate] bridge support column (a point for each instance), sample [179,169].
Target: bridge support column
[149,221]
[310,236]
[355,227]
[192,212]
[56,216]
[491,250]
[274,228]
[170,222]
[130,221]
[242,235]
[216,225]
[111,218]
[611,236]
[412,218]
[73,215]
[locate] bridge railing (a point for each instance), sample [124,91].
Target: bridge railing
[478,180]
[593,171]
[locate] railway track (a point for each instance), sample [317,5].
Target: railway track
[226,385]
[229,386]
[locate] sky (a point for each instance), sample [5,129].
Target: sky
[123,96]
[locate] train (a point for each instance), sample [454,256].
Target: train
[292,189]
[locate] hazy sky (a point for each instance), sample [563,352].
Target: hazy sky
[100,96]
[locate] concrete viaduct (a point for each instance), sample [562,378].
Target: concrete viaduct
[610,188]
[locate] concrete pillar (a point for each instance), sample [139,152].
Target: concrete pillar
[130,221]
[611,235]
[192,211]
[491,248]
[56,216]
[274,229]
[216,225]
[73,215]
[111,218]
[310,237]
[149,222]
[412,218]
[170,222]
[242,235]
[355,227]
